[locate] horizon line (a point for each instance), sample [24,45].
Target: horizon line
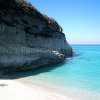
[84,44]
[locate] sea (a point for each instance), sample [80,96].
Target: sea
[76,76]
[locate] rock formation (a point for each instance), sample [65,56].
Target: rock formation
[28,38]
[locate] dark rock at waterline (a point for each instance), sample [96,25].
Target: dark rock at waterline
[28,38]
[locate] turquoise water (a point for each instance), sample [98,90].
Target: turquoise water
[83,71]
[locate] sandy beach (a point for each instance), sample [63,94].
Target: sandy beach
[14,90]
[18,90]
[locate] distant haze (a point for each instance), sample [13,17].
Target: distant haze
[80,19]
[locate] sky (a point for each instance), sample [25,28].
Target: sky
[80,19]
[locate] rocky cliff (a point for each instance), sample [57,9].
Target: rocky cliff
[28,38]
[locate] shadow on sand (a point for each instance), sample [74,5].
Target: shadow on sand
[22,74]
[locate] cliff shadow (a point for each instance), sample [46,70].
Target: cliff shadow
[32,72]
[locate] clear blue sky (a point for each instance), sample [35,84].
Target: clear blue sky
[80,19]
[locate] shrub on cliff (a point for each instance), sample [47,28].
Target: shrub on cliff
[21,7]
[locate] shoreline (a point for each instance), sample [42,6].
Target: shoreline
[14,90]
[69,93]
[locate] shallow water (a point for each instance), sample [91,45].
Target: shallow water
[82,72]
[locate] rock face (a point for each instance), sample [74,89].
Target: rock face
[29,39]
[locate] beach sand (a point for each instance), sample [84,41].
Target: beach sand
[14,90]
[20,90]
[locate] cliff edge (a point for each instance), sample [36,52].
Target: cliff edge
[28,38]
